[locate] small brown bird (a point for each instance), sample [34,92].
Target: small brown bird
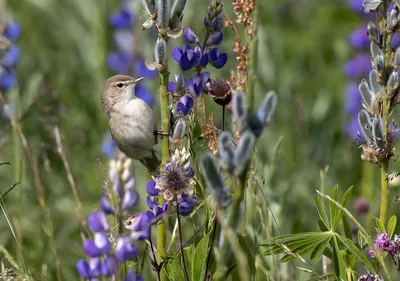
[132,121]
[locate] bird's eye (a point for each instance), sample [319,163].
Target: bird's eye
[120,85]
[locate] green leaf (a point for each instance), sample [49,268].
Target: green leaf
[358,254]
[319,249]
[339,213]
[8,190]
[381,226]
[321,211]
[346,227]
[174,270]
[322,226]
[332,207]
[249,255]
[189,255]
[391,226]
[340,267]
[199,259]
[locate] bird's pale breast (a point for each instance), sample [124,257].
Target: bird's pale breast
[132,127]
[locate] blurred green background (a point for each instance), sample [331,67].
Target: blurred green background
[303,46]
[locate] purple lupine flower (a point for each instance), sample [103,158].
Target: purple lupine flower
[186,58]
[359,38]
[131,276]
[353,103]
[109,266]
[142,70]
[142,92]
[187,204]
[184,105]
[190,36]
[359,66]
[216,38]
[8,79]
[126,249]
[95,267]
[82,267]
[124,18]
[97,222]
[216,59]
[119,62]
[151,188]
[195,86]
[213,18]
[124,41]
[12,30]
[131,198]
[109,147]
[10,57]
[140,225]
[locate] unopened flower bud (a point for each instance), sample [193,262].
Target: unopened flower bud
[149,6]
[190,36]
[163,12]
[225,150]
[396,61]
[160,51]
[379,63]
[373,82]
[374,49]
[179,129]
[220,91]
[366,93]
[243,152]
[267,108]
[392,19]
[239,111]
[373,34]
[177,9]
[364,120]
[377,132]
[393,83]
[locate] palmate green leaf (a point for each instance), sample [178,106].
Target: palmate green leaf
[319,249]
[321,211]
[358,254]
[346,228]
[199,259]
[333,209]
[300,251]
[339,212]
[322,226]
[391,226]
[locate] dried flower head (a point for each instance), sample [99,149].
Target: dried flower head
[220,90]
[177,176]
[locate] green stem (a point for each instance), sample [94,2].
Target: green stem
[384,192]
[368,175]
[165,124]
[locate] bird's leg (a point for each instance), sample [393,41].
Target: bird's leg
[160,133]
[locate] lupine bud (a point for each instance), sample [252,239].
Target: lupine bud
[149,6]
[392,19]
[215,38]
[366,93]
[243,152]
[371,5]
[393,83]
[163,12]
[215,183]
[177,9]
[377,132]
[179,129]
[82,267]
[180,84]
[373,82]
[225,151]
[239,111]
[364,120]
[161,51]
[396,61]
[373,34]
[267,108]
[190,36]
[379,63]
[374,49]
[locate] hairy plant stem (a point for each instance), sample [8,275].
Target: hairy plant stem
[181,242]
[253,62]
[165,124]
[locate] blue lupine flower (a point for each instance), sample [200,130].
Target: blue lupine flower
[151,188]
[119,62]
[109,147]
[204,58]
[12,30]
[216,59]
[109,266]
[131,276]
[190,36]
[125,250]
[97,222]
[359,38]
[83,269]
[216,38]
[124,41]
[353,99]
[359,66]
[142,70]
[8,80]
[186,58]
[184,105]
[140,226]
[187,205]
[10,57]
[142,92]
[195,86]
[122,19]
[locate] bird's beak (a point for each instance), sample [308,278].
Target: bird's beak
[137,80]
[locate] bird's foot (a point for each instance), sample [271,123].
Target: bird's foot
[160,133]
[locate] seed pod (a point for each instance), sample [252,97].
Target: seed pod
[373,34]
[179,129]
[364,120]
[226,153]
[366,93]
[160,51]
[243,152]
[239,111]
[163,13]
[214,181]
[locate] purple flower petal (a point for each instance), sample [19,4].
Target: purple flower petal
[150,201]
[180,107]
[142,70]
[220,61]
[131,276]
[143,93]
[204,60]
[125,250]
[123,19]
[151,188]
[12,30]
[102,243]
[11,57]
[90,249]
[177,54]
[82,267]
[216,38]
[7,80]
[106,206]
[187,101]
[131,198]
[359,66]
[108,266]
[97,222]
[190,36]
[95,267]
[119,62]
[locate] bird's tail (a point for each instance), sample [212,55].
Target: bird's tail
[152,164]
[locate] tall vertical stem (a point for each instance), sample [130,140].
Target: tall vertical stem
[165,124]
[384,192]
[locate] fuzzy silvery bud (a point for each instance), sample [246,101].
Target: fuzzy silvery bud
[373,34]
[149,6]
[396,61]
[179,129]
[366,93]
[373,82]
[364,120]
[379,63]
[374,49]
[377,132]
[267,108]
[239,111]
[393,82]
[392,19]
[214,181]
[160,51]
[225,150]
[243,152]
[180,83]
[163,12]
[177,9]
[371,5]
